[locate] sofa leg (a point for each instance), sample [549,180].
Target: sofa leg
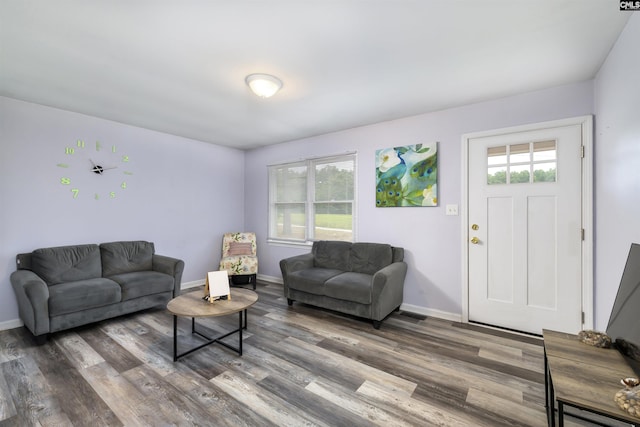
[41,339]
[253,280]
[376,324]
[289,301]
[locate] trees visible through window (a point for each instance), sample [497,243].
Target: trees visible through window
[312,200]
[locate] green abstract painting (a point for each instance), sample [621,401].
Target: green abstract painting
[407,176]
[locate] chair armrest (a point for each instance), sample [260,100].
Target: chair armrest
[171,266]
[295,263]
[32,294]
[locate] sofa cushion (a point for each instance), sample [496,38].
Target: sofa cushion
[126,257]
[331,254]
[350,286]
[81,295]
[311,280]
[67,263]
[141,283]
[368,258]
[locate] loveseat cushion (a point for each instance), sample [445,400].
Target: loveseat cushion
[311,280]
[67,263]
[81,295]
[142,283]
[331,254]
[126,257]
[349,286]
[368,258]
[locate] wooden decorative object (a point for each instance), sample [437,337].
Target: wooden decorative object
[594,338]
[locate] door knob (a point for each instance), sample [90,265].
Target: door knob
[475,240]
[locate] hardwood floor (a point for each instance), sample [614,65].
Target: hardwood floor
[301,366]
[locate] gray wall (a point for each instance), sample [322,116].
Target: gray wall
[183,195]
[617,165]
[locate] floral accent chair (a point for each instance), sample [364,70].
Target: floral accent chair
[239,257]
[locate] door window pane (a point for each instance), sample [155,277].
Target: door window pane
[519,153]
[497,175]
[544,150]
[519,174]
[497,156]
[544,172]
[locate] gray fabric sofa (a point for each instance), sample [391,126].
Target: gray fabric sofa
[361,279]
[67,286]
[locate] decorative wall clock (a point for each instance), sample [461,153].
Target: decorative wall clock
[107,162]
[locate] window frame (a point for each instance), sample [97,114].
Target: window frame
[309,202]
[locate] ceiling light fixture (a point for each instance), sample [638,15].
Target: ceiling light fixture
[263,85]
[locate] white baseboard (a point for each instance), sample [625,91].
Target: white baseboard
[194,284]
[270,279]
[10,324]
[430,312]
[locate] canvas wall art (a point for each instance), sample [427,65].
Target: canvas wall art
[407,176]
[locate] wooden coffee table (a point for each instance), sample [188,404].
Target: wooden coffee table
[192,305]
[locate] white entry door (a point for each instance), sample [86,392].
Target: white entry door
[525,229]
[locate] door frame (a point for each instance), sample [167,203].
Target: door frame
[586,123]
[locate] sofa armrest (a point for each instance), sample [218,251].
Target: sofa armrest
[32,294]
[388,289]
[171,266]
[295,263]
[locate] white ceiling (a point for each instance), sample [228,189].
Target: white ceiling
[179,66]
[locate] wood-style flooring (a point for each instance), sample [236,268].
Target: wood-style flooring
[301,366]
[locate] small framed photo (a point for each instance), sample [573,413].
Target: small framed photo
[217,286]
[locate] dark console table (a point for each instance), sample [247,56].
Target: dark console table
[582,376]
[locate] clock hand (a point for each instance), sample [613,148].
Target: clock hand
[100,169]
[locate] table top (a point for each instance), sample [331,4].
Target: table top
[584,375]
[191,304]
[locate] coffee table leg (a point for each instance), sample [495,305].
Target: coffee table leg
[175,338]
[240,334]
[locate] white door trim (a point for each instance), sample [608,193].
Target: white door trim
[586,123]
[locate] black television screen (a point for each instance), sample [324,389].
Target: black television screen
[624,322]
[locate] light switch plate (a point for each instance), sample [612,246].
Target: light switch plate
[451,210]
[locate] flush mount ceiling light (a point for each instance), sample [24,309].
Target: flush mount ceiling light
[263,85]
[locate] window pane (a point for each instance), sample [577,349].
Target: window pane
[497,155]
[544,150]
[497,175]
[313,199]
[519,174]
[290,221]
[334,181]
[544,172]
[291,184]
[519,153]
[333,221]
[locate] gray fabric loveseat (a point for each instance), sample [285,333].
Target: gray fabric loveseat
[361,279]
[63,287]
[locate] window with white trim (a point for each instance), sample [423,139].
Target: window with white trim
[312,199]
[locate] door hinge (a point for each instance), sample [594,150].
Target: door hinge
[582,234]
[583,317]
[582,151]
